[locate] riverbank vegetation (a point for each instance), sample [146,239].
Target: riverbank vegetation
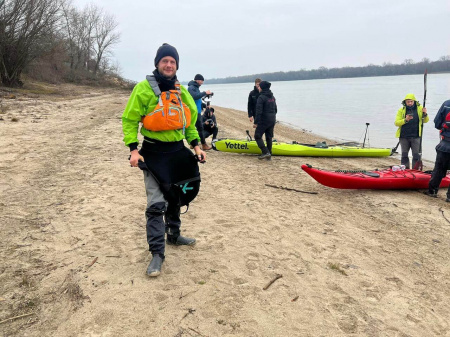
[53,41]
[408,67]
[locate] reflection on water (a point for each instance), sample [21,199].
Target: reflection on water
[340,108]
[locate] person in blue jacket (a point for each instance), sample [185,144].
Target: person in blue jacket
[197,95]
[442,164]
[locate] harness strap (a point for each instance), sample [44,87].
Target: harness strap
[153,84]
[155,87]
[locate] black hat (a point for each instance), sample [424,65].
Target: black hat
[167,50]
[265,85]
[199,77]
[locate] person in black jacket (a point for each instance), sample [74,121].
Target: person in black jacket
[252,98]
[265,118]
[442,164]
[209,123]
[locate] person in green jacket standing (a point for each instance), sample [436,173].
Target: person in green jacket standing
[410,118]
[163,157]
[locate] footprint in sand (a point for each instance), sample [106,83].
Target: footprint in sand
[160,297]
[239,281]
[347,316]
[252,261]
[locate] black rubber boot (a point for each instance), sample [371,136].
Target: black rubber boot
[154,268]
[180,241]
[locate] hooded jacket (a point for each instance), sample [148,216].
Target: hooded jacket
[197,95]
[400,119]
[142,101]
[266,108]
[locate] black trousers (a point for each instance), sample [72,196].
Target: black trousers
[165,162]
[264,128]
[199,126]
[441,166]
[210,131]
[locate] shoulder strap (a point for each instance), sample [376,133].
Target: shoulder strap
[153,84]
[155,87]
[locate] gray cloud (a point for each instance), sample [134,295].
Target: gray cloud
[232,38]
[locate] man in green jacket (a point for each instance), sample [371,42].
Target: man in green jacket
[410,118]
[163,156]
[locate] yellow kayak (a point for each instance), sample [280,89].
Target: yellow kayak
[300,150]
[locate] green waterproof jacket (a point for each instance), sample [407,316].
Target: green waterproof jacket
[142,101]
[401,114]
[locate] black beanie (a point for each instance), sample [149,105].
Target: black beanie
[199,77]
[265,85]
[167,50]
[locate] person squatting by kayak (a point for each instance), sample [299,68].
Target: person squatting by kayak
[442,163]
[209,123]
[168,114]
[197,95]
[410,118]
[265,119]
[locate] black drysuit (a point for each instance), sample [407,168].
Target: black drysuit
[265,119]
[442,163]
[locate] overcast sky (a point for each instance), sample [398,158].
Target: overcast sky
[242,37]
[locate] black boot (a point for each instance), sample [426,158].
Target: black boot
[431,193]
[180,241]
[154,268]
[266,156]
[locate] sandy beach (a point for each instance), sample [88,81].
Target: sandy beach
[74,252]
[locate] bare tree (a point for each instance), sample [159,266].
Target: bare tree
[69,16]
[91,16]
[26,26]
[105,38]
[79,28]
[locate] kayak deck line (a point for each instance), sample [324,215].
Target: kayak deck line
[320,149]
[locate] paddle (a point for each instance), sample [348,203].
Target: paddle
[394,150]
[364,142]
[249,138]
[419,164]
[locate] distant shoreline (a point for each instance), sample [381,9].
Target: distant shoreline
[408,67]
[330,78]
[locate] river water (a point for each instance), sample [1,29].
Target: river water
[339,109]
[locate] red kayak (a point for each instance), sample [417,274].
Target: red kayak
[377,180]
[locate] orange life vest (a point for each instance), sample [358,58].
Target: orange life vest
[171,113]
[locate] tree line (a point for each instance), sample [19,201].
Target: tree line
[53,40]
[408,67]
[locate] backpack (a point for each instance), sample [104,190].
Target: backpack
[171,113]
